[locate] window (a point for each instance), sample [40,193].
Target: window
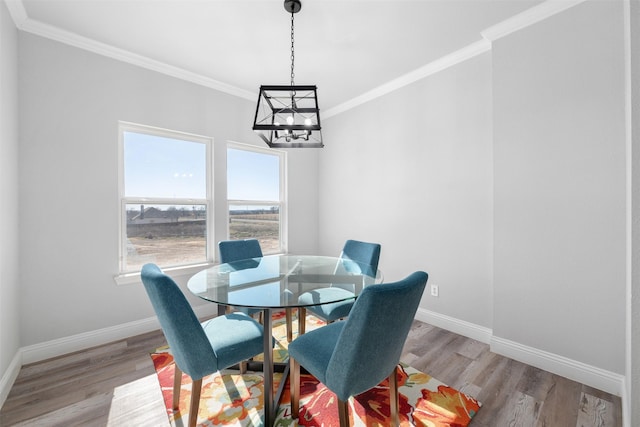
[165,198]
[256,196]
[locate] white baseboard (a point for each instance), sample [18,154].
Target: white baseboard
[9,377]
[581,372]
[54,348]
[592,376]
[461,327]
[626,406]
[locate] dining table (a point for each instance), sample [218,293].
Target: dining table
[273,283]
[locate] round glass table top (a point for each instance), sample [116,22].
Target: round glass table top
[277,281]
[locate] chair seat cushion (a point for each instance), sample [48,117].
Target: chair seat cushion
[234,337]
[247,310]
[329,312]
[313,350]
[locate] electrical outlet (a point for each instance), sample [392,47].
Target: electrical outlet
[434,290]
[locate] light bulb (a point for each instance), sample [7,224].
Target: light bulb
[290,120]
[307,122]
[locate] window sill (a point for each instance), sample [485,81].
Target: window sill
[134,278]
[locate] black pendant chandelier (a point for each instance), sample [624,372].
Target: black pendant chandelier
[288,116]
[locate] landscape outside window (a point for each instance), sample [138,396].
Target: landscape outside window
[254,196]
[167,235]
[165,198]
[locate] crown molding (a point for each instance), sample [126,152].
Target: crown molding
[517,22]
[17,12]
[24,23]
[528,17]
[506,27]
[433,67]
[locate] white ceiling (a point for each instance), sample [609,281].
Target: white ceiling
[346,47]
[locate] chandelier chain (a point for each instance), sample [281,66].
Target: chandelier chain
[292,51]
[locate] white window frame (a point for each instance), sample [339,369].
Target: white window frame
[126,277]
[282,203]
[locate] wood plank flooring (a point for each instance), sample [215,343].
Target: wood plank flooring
[115,385]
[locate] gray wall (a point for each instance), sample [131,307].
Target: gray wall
[633,346]
[522,223]
[70,103]
[560,185]
[9,307]
[439,172]
[412,171]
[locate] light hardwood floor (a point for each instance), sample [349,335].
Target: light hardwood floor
[115,385]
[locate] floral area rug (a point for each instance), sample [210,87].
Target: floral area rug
[231,399]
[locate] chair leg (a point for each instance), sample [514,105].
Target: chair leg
[196,388]
[302,320]
[177,385]
[294,387]
[393,397]
[343,413]
[242,367]
[289,317]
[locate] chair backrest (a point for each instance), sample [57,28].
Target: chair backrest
[371,341]
[186,338]
[364,253]
[236,250]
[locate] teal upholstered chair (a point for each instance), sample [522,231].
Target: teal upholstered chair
[367,255]
[199,349]
[237,250]
[352,356]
